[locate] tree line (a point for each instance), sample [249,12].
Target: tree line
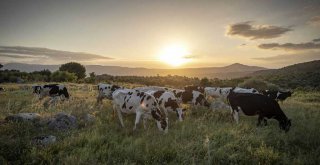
[69,72]
[75,72]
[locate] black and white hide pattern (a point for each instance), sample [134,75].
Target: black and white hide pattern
[194,88]
[105,91]
[168,102]
[150,88]
[277,95]
[52,90]
[141,104]
[217,92]
[194,98]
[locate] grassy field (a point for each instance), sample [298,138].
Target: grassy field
[204,137]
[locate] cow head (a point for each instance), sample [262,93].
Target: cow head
[201,100]
[36,89]
[161,119]
[180,113]
[285,125]
[107,89]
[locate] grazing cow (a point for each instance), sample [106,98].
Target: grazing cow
[217,92]
[52,90]
[140,103]
[36,89]
[245,90]
[150,88]
[277,95]
[257,104]
[194,88]
[168,102]
[105,91]
[191,97]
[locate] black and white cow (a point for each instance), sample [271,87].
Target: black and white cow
[150,88]
[217,92]
[194,88]
[222,93]
[141,104]
[277,95]
[1,89]
[51,90]
[191,97]
[105,91]
[36,90]
[168,102]
[257,104]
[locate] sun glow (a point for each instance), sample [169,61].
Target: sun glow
[175,55]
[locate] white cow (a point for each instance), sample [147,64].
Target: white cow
[222,93]
[168,102]
[245,90]
[105,91]
[150,88]
[194,98]
[217,92]
[140,103]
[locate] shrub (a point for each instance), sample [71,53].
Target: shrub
[258,84]
[76,68]
[62,76]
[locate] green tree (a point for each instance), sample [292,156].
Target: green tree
[63,76]
[73,67]
[204,82]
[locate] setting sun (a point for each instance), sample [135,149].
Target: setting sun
[175,55]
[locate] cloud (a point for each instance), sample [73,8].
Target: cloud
[290,58]
[253,32]
[15,56]
[315,21]
[19,52]
[316,40]
[290,46]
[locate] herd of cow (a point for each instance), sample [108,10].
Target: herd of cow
[156,102]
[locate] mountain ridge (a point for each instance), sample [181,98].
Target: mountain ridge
[230,71]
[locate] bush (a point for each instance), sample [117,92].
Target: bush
[258,84]
[63,76]
[73,67]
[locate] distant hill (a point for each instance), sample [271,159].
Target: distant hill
[305,74]
[231,71]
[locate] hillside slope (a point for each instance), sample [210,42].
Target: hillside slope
[305,74]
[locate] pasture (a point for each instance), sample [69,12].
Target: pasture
[204,137]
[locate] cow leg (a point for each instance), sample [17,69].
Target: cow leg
[180,114]
[138,115]
[235,113]
[265,122]
[144,122]
[236,116]
[260,118]
[119,115]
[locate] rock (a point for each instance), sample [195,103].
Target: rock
[88,118]
[23,117]
[44,140]
[219,105]
[62,121]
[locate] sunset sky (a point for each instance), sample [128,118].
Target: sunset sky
[160,34]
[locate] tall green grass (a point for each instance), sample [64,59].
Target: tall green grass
[204,137]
